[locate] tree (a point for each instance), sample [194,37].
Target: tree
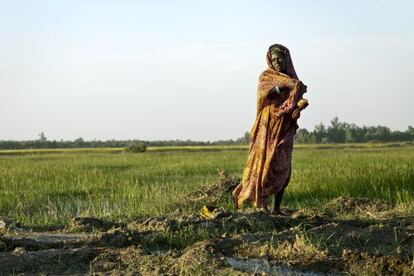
[336,131]
[42,136]
[350,136]
[319,132]
[79,142]
[410,132]
[136,147]
[246,137]
[302,136]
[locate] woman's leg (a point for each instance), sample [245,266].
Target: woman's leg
[278,198]
[277,201]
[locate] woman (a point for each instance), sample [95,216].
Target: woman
[279,102]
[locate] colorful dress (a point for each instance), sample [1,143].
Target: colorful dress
[268,166]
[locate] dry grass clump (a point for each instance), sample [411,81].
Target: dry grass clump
[300,250]
[212,194]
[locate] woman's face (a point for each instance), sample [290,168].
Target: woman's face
[278,59]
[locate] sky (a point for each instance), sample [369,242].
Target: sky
[157,70]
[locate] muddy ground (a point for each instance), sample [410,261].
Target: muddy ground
[345,236]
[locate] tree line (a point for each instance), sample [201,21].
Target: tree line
[342,132]
[43,143]
[336,132]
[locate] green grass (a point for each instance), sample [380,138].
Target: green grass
[47,190]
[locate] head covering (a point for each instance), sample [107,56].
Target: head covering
[290,70]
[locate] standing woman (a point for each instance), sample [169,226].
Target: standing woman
[279,102]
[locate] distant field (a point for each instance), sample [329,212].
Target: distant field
[40,189]
[120,150]
[197,148]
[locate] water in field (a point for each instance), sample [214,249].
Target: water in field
[252,265]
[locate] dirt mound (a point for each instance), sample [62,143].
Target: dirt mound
[362,263]
[223,221]
[356,205]
[114,260]
[223,243]
[349,206]
[88,224]
[200,257]
[154,224]
[73,260]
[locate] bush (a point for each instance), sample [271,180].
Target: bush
[137,147]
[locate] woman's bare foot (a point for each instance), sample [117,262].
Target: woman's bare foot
[279,213]
[265,209]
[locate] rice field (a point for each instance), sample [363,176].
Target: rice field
[39,188]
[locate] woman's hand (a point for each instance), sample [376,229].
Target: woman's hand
[302,104]
[296,114]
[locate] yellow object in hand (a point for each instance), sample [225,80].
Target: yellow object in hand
[303,103]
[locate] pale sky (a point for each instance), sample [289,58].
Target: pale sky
[189,69]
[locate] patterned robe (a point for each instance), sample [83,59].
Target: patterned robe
[268,166]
